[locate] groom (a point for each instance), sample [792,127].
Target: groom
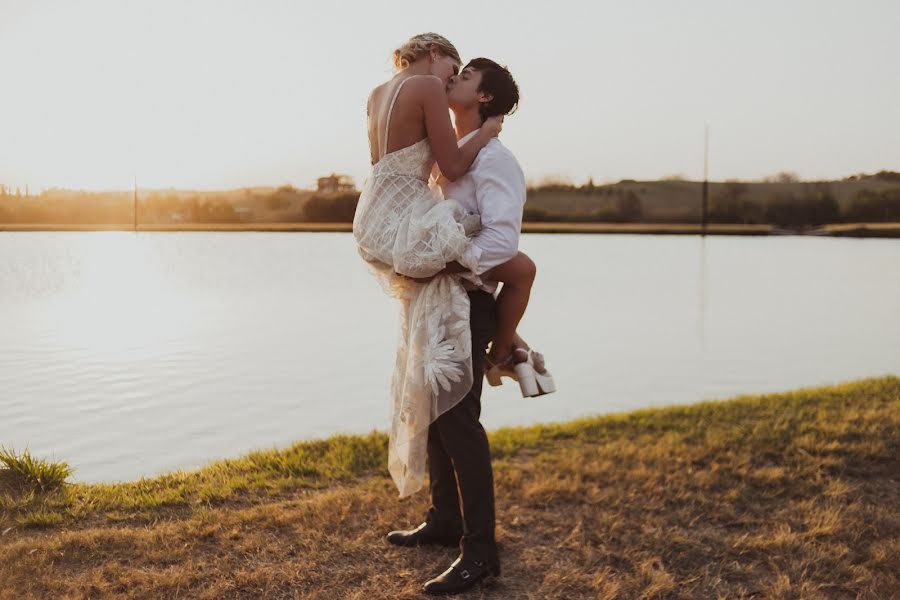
[459,458]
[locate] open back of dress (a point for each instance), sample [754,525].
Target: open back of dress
[403,226]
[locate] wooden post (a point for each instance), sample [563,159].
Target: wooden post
[135,203]
[705,202]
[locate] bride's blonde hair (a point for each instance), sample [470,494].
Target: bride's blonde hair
[419,45]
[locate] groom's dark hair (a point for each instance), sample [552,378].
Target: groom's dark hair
[498,82]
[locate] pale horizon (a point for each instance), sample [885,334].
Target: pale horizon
[224,95]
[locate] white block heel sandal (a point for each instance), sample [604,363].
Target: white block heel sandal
[533,377]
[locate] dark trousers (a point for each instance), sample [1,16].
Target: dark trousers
[459,458]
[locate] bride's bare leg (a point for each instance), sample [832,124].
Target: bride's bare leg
[517,275]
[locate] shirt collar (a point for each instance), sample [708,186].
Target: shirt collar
[468,136]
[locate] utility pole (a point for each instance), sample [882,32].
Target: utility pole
[705,204]
[135,203]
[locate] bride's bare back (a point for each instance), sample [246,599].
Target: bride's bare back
[417,112]
[407,120]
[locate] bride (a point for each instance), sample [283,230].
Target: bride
[407,232]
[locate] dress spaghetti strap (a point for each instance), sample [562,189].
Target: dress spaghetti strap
[387,129]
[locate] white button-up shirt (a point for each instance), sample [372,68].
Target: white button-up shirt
[494,187]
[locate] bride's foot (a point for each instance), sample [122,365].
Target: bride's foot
[525,366]
[514,355]
[537,360]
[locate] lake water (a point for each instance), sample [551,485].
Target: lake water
[129,354]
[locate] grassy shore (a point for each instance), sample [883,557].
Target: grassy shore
[791,495]
[886,230]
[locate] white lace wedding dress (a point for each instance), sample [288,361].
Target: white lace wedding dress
[403,226]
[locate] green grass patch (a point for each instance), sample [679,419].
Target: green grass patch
[772,427]
[28,472]
[40,518]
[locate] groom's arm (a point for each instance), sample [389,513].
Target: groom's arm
[500,193]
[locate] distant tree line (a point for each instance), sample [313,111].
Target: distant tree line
[872,206]
[795,206]
[338,207]
[622,206]
[283,205]
[71,208]
[807,205]
[816,207]
[893,176]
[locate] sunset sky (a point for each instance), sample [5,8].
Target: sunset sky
[223,94]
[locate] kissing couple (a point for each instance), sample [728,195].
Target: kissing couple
[439,221]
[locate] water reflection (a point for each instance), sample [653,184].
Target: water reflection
[701,295]
[119,298]
[130,354]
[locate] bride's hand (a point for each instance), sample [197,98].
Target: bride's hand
[493,125]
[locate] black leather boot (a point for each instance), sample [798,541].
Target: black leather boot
[423,535]
[462,575]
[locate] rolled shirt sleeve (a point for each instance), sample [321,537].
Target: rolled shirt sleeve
[500,194]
